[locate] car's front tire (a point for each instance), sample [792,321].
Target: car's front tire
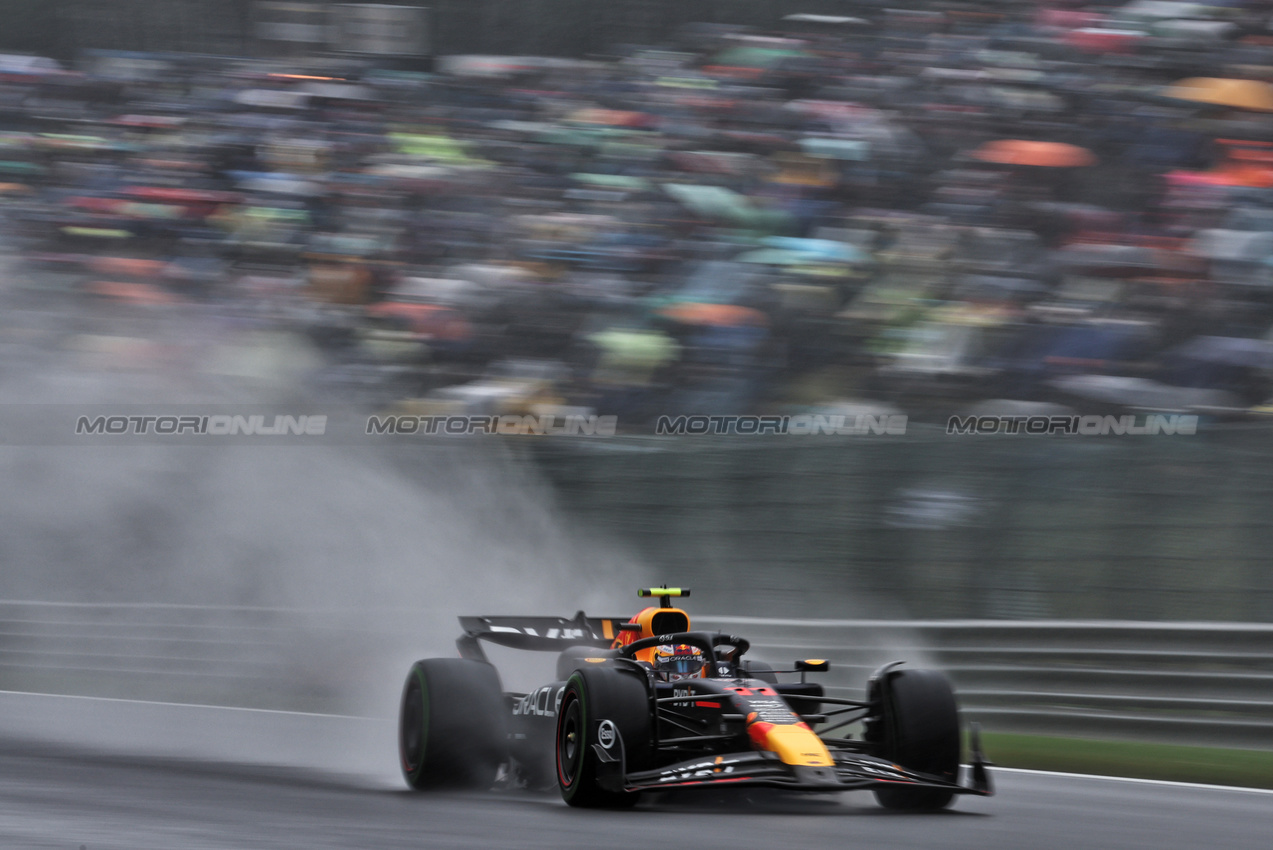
[452,725]
[916,726]
[594,695]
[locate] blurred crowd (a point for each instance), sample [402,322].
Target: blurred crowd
[1065,206]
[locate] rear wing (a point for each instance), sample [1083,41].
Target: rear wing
[542,634]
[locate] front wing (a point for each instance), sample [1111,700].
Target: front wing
[851,771]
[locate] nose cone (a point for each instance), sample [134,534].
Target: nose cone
[795,743]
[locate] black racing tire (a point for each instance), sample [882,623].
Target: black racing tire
[452,725]
[592,695]
[917,727]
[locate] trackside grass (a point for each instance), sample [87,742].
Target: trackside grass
[1210,765]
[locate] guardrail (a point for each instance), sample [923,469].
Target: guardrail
[1184,682]
[1200,683]
[221,655]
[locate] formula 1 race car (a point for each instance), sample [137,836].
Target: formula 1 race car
[650,704]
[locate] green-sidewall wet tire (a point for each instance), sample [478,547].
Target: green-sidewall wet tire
[452,725]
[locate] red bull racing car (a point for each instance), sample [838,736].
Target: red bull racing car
[651,704]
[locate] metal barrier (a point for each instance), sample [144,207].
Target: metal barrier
[1184,682]
[1205,683]
[250,657]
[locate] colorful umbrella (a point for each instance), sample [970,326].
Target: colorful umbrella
[713,201]
[130,266]
[19,167]
[717,315]
[613,181]
[713,162]
[136,293]
[1219,91]
[777,257]
[827,250]
[630,355]
[831,148]
[611,117]
[277,183]
[757,57]
[1156,10]
[826,20]
[586,135]
[431,320]
[97,232]
[1043,154]
[433,146]
[151,211]
[176,195]
[726,205]
[150,122]
[1101,40]
[337,91]
[1203,31]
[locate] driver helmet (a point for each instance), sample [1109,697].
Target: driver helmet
[679,661]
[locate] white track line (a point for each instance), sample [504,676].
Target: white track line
[189,705]
[353,717]
[994,770]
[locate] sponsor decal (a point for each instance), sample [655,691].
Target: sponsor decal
[878,771]
[698,770]
[772,711]
[607,734]
[542,702]
[554,633]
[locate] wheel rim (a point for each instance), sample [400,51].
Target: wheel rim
[570,741]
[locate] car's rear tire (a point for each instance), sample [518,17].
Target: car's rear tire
[917,727]
[452,725]
[594,695]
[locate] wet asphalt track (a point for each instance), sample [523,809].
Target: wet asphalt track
[59,795]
